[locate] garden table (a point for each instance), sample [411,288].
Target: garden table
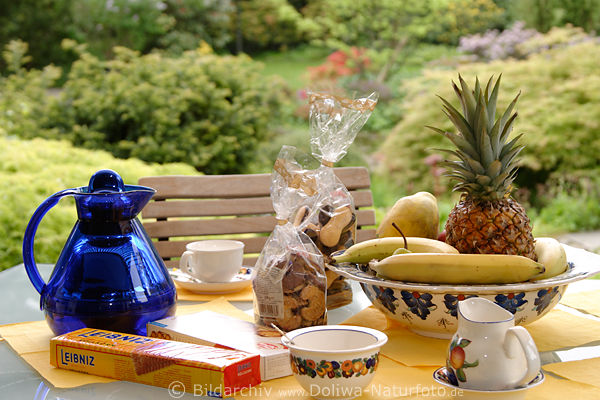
[18,380]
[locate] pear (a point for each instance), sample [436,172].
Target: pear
[416,215]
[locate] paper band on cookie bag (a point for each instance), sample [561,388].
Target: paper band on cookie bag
[362,104]
[296,179]
[290,284]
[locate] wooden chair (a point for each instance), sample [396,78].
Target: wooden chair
[190,208]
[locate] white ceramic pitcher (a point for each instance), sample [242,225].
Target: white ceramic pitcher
[488,352]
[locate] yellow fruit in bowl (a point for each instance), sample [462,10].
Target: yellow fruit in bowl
[551,255]
[416,215]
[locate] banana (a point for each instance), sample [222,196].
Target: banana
[381,248]
[552,255]
[401,250]
[458,268]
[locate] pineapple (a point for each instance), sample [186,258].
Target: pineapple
[486,220]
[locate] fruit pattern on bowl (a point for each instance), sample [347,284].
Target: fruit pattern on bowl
[435,313]
[334,361]
[335,369]
[430,309]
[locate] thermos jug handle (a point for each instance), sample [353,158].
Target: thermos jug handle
[28,259]
[529,348]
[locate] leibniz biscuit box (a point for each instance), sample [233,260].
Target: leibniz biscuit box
[201,370]
[214,329]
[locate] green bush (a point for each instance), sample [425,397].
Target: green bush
[375,24]
[559,114]
[269,24]
[382,24]
[556,37]
[42,24]
[452,19]
[567,213]
[391,28]
[32,170]
[196,21]
[23,93]
[103,24]
[202,109]
[545,14]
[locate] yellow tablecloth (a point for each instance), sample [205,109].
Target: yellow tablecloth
[31,340]
[588,302]
[406,367]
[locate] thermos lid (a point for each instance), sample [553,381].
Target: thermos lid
[107,198]
[106,181]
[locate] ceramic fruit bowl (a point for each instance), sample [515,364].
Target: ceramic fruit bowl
[443,378]
[430,309]
[334,361]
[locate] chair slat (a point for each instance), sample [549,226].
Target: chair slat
[182,208]
[354,178]
[202,208]
[236,186]
[198,227]
[362,198]
[365,217]
[164,229]
[365,234]
[253,245]
[251,260]
[174,248]
[227,207]
[208,186]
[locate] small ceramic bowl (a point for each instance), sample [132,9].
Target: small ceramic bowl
[430,309]
[455,392]
[334,361]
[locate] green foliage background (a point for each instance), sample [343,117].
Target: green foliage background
[171,97]
[253,26]
[559,114]
[42,23]
[32,170]
[544,14]
[199,108]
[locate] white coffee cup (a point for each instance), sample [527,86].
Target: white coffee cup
[212,260]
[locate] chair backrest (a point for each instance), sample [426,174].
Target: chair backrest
[190,208]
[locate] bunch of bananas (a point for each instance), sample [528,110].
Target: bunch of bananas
[418,259]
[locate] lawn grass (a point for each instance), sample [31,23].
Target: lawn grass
[292,65]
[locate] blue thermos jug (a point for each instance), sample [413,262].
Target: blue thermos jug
[108,275]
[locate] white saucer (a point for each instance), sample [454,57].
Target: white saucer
[239,282]
[442,378]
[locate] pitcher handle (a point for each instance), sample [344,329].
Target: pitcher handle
[28,259]
[529,348]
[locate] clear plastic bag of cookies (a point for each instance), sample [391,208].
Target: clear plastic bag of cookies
[324,208]
[290,283]
[334,123]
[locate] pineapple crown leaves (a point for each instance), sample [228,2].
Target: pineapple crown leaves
[485,164]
